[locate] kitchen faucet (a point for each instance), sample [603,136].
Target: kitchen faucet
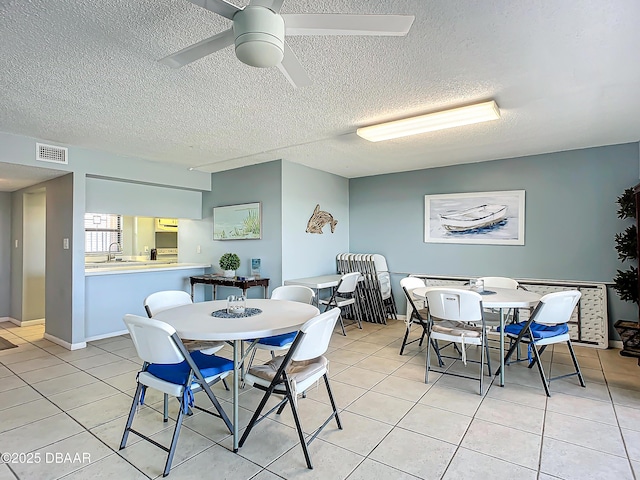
[119,249]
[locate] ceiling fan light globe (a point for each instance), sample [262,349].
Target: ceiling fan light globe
[260,50]
[259,36]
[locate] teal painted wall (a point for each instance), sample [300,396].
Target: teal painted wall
[104,315]
[257,183]
[65,308]
[5,254]
[62,269]
[310,254]
[570,218]
[126,198]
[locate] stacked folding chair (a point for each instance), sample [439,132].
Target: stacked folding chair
[374,295]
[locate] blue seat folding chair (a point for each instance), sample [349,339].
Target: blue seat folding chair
[164,300]
[546,326]
[293,373]
[171,369]
[292,293]
[457,316]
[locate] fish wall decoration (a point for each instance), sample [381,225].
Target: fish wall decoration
[319,219]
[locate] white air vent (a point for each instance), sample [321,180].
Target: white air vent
[51,153]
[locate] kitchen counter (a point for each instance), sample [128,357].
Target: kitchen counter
[119,268]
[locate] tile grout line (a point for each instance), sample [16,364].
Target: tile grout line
[615,412]
[67,414]
[370,389]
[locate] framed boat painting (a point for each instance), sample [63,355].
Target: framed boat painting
[238,222]
[495,218]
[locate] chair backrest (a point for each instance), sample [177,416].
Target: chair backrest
[411,283]
[380,263]
[159,301]
[317,332]
[294,293]
[348,282]
[499,282]
[414,310]
[152,339]
[556,308]
[454,304]
[384,279]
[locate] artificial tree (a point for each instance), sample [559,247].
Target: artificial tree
[626,281]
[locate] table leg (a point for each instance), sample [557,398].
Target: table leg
[192,285]
[502,347]
[214,291]
[236,382]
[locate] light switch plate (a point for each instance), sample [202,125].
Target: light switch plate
[65,243]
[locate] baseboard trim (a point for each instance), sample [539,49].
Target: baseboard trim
[6,319]
[27,323]
[615,344]
[106,335]
[62,343]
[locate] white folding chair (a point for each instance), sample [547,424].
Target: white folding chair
[293,373]
[421,317]
[459,312]
[416,310]
[293,293]
[344,295]
[384,279]
[171,369]
[547,325]
[164,300]
[492,316]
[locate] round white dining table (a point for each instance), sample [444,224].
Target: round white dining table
[195,322]
[502,299]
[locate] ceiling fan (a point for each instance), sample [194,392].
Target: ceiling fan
[259,30]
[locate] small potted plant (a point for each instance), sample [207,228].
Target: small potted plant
[229,262]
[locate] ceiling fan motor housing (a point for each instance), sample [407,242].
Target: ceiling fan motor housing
[259,36]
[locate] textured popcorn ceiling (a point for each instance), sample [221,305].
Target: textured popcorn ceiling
[566,75]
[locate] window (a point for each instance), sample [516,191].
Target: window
[100,231]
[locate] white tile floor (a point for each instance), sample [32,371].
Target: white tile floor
[55,404]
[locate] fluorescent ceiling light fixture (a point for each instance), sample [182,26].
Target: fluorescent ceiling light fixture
[456,117]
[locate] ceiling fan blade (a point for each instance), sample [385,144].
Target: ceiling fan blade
[344,24]
[274,5]
[292,70]
[218,6]
[199,50]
